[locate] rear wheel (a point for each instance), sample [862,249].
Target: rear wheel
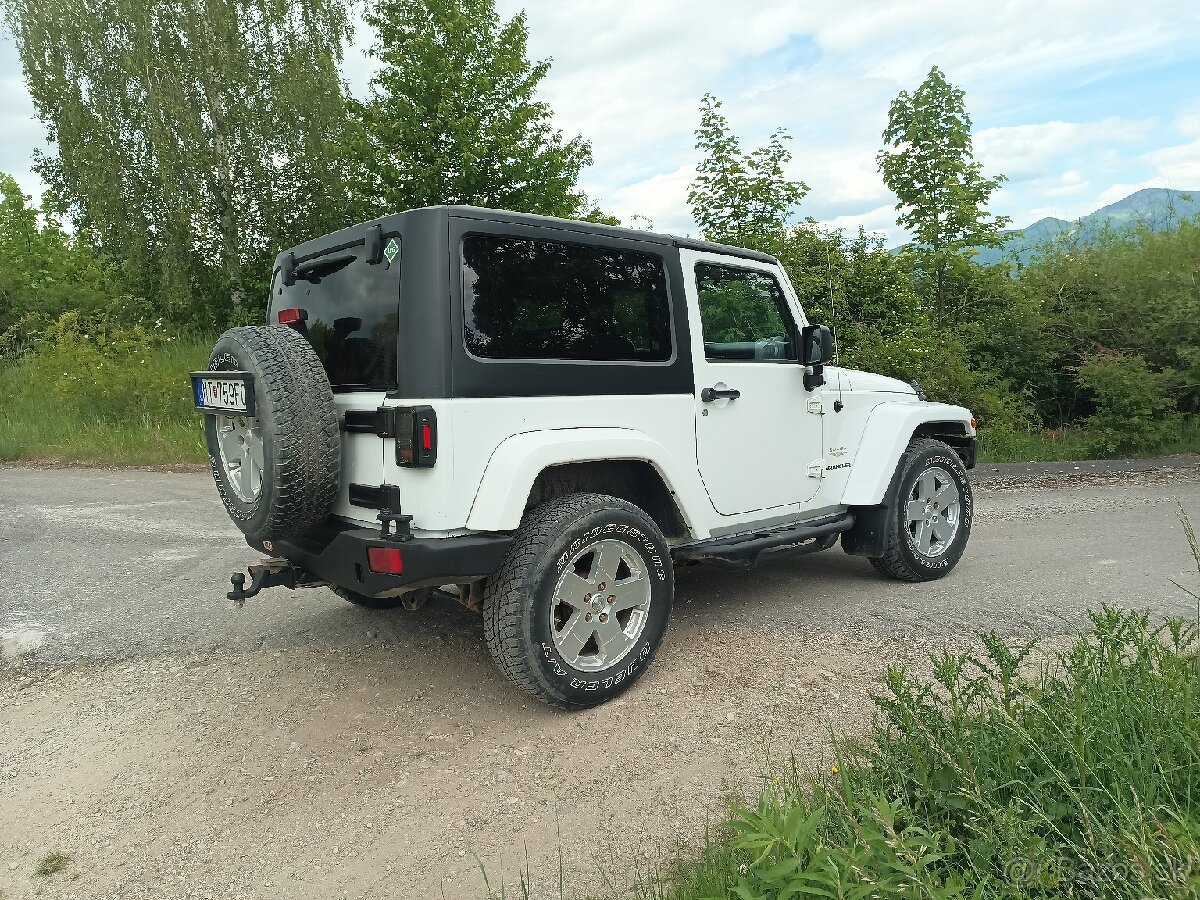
[581,602]
[928,527]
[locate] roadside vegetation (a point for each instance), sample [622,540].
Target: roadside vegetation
[137,258]
[1080,780]
[1007,773]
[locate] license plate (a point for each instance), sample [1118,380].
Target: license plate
[227,392]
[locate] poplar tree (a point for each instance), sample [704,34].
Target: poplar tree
[741,198]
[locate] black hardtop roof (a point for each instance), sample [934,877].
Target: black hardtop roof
[341,239]
[653,237]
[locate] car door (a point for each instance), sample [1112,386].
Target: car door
[758,432]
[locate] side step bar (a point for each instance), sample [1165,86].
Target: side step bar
[742,550]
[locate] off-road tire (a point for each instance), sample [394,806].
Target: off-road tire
[517,599]
[301,440]
[901,559]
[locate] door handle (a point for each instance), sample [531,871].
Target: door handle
[708,395]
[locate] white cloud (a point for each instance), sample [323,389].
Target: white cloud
[1032,151]
[881,220]
[1068,184]
[657,198]
[1177,166]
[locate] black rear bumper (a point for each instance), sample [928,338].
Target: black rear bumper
[337,553]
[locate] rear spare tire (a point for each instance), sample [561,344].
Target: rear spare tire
[277,471]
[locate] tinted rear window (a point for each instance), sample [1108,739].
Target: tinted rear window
[536,299]
[352,313]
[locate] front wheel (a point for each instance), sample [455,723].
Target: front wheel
[928,527]
[581,602]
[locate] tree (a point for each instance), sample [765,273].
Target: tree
[192,138]
[741,198]
[47,272]
[928,162]
[452,116]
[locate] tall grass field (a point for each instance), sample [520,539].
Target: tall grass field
[126,402]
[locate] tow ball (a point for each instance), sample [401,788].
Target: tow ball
[270,574]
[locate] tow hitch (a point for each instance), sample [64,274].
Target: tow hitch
[272,573]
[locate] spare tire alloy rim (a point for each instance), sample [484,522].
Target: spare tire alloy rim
[934,511]
[600,605]
[241,443]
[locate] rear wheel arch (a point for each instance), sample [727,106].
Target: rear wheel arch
[636,481]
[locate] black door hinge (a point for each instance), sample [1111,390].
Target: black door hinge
[380,422]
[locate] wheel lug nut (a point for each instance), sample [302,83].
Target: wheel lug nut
[587,617]
[603,617]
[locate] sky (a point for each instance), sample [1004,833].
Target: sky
[1077,103]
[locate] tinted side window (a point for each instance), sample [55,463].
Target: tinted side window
[743,315]
[535,299]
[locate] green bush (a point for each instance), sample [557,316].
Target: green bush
[1135,407]
[939,363]
[109,373]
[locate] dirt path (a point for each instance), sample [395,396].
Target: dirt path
[175,748]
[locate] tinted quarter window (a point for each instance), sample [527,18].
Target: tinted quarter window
[537,299]
[743,315]
[351,316]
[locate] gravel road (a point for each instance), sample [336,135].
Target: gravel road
[176,747]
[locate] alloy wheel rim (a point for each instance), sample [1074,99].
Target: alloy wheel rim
[600,605]
[241,444]
[933,512]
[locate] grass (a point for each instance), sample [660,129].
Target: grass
[992,778]
[147,419]
[1061,445]
[1082,781]
[51,864]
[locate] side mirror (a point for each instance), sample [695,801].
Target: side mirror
[816,345]
[816,349]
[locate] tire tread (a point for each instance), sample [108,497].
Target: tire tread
[892,563]
[506,592]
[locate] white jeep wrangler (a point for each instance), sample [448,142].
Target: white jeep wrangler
[543,417]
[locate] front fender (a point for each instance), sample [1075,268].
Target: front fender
[888,430]
[516,463]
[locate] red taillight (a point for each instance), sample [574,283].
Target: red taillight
[291,315]
[416,436]
[385,560]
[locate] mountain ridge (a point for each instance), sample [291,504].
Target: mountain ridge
[1159,208]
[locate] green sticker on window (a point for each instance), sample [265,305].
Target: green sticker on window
[391,250]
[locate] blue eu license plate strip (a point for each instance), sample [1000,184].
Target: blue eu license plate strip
[225,393]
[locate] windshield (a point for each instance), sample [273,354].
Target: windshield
[349,310]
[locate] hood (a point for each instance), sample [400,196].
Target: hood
[869,381]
